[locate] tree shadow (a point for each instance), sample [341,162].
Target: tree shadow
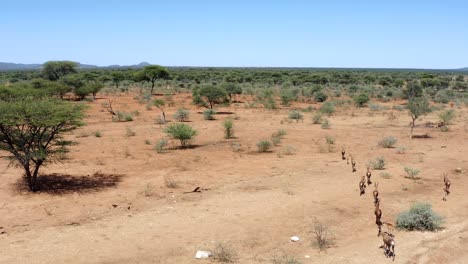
[60,184]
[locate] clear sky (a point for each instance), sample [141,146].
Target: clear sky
[270,33]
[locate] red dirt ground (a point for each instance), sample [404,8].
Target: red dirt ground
[254,202]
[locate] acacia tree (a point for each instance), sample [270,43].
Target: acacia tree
[31,131]
[418,104]
[153,73]
[117,78]
[54,70]
[231,89]
[159,103]
[213,94]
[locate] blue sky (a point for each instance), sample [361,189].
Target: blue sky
[287,33]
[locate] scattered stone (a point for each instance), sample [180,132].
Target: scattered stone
[459,170]
[115,205]
[295,238]
[306,256]
[202,254]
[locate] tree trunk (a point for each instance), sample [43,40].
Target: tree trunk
[164,116]
[28,177]
[35,174]
[412,128]
[152,87]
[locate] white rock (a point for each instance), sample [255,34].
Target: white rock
[307,256]
[201,254]
[295,238]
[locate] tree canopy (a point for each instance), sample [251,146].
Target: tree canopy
[153,73]
[54,70]
[31,131]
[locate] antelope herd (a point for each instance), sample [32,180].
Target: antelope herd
[387,236]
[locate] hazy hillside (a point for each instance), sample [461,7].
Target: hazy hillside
[7,66]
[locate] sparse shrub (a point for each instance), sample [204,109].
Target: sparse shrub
[284,259]
[361,99]
[228,128]
[170,183]
[98,134]
[317,118]
[325,124]
[377,164]
[182,132]
[280,133]
[324,238]
[385,175]
[289,150]
[122,117]
[208,114]
[160,120]
[276,140]
[330,140]
[129,132]
[236,147]
[399,107]
[401,150]
[264,146]
[160,145]
[147,142]
[447,116]
[388,142]
[148,191]
[419,217]
[327,108]
[444,129]
[182,115]
[375,107]
[223,253]
[412,173]
[295,115]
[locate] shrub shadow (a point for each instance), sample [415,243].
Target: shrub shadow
[60,184]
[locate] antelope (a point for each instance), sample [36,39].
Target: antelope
[347,160]
[447,186]
[389,245]
[390,227]
[353,164]
[375,193]
[343,152]
[368,175]
[362,186]
[378,213]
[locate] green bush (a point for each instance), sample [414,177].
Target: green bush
[325,124]
[182,115]
[264,146]
[327,108]
[377,164]
[419,217]
[160,145]
[122,117]
[295,115]
[209,114]
[412,173]
[447,116]
[182,132]
[361,99]
[320,96]
[317,118]
[228,128]
[388,142]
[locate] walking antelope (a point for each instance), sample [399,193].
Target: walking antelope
[447,186]
[368,175]
[362,186]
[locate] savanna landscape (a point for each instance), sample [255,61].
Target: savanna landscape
[150,164]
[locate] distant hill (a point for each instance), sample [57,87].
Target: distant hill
[6,66]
